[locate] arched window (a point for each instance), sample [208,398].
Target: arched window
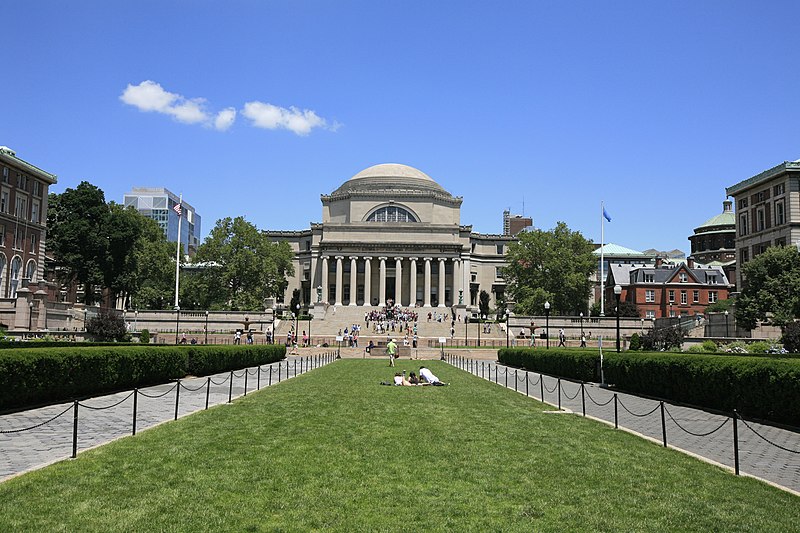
[30,271]
[2,275]
[391,213]
[16,266]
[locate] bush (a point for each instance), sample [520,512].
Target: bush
[581,365]
[696,348]
[144,336]
[662,339]
[791,337]
[710,346]
[107,326]
[759,347]
[46,375]
[636,342]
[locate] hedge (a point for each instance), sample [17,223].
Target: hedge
[767,388]
[33,376]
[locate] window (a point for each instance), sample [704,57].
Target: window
[743,224]
[498,272]
[35,211]
[760,196]
[712,297]
[712,279]
[650,315]
[21,207]
[649,295]
[22,181]
[779,189]
[780,216]
[499,250]
[672,313]
[683,277]
[745,255]
[649,277]
[5,174]
[308,246]
[17,239]
[742,203]
[760,220]
[2,235]
[37,189]
[684,298]
[5,206]
[391,213]
[16,266]
[33,243]
[30,270]
[671,296]
[696,296]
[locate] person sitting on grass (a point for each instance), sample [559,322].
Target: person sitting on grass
[428,376]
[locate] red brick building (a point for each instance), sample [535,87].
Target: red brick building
[668,291]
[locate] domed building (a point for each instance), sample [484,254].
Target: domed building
[392,234]
[714,241]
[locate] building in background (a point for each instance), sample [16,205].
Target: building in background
[767,212]
[159,204]
[23,215]
[513,224]
[714,242]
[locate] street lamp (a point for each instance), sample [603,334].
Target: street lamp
[177,321]
[727,331]
[581,315]
[547,322]
[206,327]
[296,318]
[30,316]
[618,292]
[136,320]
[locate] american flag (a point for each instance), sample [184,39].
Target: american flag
[178,209]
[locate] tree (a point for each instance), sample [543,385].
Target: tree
[552,266]
[295,302]
[154,257]
[107,326]
[626,309]
[791,337]
[76,221]
[242,267]
[771,289]
[483,303]
[662,339]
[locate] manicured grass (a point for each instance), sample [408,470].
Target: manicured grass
[333,449]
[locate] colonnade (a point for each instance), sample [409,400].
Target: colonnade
[406,270]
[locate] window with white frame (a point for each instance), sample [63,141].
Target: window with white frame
[712,279]
[5,174]
[2,234]
[671,296]
[17,239]
[5,206]
[498,272]
[712,297]
[779,189]
[16,266]
[696,296]
[649,277]
[650,314]
[499,250]
[37,189]
[760,220]
[22,181]
[33,240]
[743,224]
[649,295]
[684,298]
[683,277]
[21,207]
[35,211]
[780,213]
[30,270]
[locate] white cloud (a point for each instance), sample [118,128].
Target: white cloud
[272,117]
[225,119]
[150,96]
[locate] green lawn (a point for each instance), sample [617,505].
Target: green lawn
[333,449]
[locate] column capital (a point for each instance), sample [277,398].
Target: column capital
[413,258]
[339,257]
[428,258]
[368,258]
[399,258]
[383,258]
[353,257]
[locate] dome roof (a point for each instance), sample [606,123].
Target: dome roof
[391,178]
[726,218]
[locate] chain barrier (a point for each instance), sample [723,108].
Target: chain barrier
[223,381]
[203,386]
[234,374]
[9,431]
[639,416]
[555,387]
[762,437]
[158,395]
[696,434]
[567,396]
[534,382]
[106,407]
[595,401]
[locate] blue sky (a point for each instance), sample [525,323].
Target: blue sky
[255,108]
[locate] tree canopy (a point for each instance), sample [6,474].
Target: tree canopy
[772,286]
[553,266]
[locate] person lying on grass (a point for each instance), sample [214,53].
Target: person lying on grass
[428,376]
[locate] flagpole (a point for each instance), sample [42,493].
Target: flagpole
[178,253]
[602,263]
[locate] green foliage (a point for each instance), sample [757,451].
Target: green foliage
[696,348]
[582,365]
[107,326]
[720,306]
[662,339]
[550,266]
[791,337]
[760,347]
[759,387]
[144,336]
[710,346]
[772,285]
[39,375]
[294,302]
[242,268]
[635,343]
[483,303]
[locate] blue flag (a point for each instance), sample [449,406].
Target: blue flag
[606,215]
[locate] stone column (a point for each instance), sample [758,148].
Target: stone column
[325,279]
[412,286]
[426,298]
[466,277]
[367,281]
[353,280]
[441,282]
[382,284]
[456,280]
[339,279]
[398,280]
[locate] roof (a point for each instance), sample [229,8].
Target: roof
[9,154]
[627,274]
[763,176]
[391,179]
[615,250]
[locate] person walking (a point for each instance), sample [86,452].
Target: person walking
[391,351]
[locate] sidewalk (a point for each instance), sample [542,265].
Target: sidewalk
[101,421]
[707,435]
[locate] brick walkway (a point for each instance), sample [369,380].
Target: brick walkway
[28,450]
[757,457]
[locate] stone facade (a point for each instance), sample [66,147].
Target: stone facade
[392,234]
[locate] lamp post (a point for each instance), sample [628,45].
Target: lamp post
[309,330]
[206,327]
[727,331]
[296,319]
[136,320]
[30,316]
[618,292]
[479,330]
[507,326]
[177,321]
[547,322]
[581,315]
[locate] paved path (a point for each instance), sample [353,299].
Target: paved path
[99,422]
[757,457]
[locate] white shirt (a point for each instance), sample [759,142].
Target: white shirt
[427,375]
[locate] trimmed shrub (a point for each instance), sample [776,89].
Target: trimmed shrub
[144,336]
[710,346]
[636,342]
[204,360]
[696,348]
[580,365]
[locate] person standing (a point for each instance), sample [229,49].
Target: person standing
[391,351]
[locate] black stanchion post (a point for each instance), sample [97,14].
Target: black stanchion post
[483,373]
[230,388]
[506,383]
[515,380]
[258,378]
[75,430]
[663,425]
[541,386]
[736,441]
[526,383]
[269,382]
[295,368]
[496,371]
[279,372]
[177,397]
[583,398]
[245,381]
[616,415]
[135,398]
[559,394]
[208,390]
